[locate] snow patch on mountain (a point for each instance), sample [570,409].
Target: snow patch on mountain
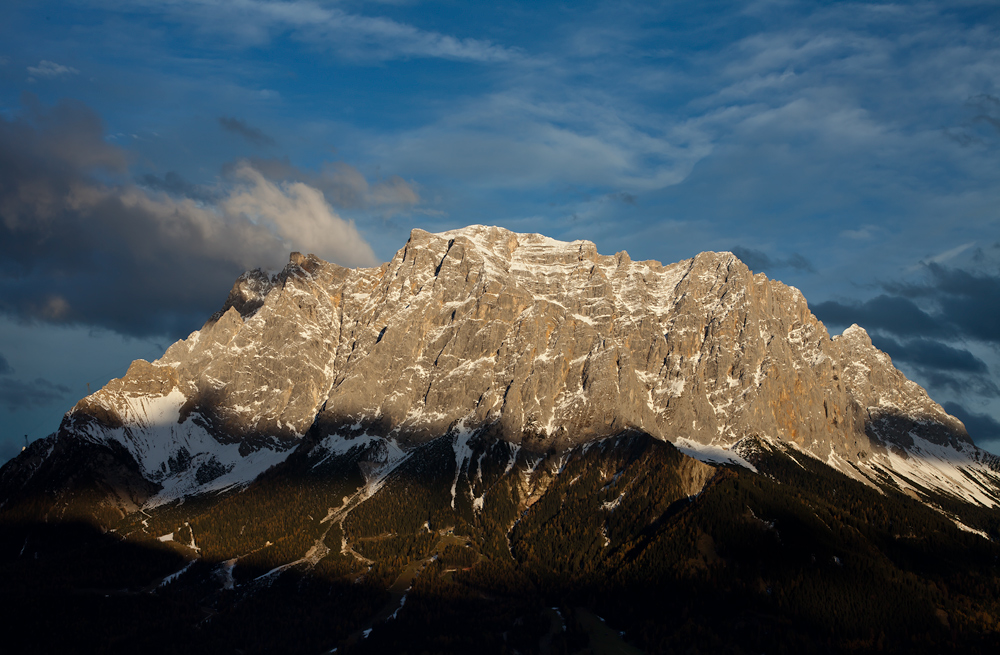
[938,468]
[463,452]
[336,445]
[711,454]
[181,456]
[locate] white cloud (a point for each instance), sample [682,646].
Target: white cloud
[950,253]
[747,87]
[300,215]
[51,69]
[343,185]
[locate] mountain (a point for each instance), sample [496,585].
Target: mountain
[553,426]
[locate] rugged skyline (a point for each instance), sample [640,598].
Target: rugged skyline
[481,333]
[476,443]
[150,154]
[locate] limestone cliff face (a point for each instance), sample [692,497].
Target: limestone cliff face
[537,342]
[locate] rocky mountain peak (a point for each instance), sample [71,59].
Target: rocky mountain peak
[539,343]
[523,424]
[856,333]
[248,293]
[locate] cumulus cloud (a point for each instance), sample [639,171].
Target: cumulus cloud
[81,244]
[240,128]
[299,214]
[5,368]
[343,185]
[392,192]
[50,69]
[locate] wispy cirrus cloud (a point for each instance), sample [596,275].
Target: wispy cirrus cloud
[352,35]
[863,233]
[535,139]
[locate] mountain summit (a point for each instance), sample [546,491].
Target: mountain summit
[541,343]
[566,426]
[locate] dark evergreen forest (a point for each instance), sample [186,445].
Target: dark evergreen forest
[611,554]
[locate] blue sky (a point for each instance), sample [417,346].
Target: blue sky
[151,150]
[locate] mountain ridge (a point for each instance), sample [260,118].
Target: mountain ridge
[541,342]
[433,453]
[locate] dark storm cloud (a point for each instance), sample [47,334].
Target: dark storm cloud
[947,301]
[939,365]
[981,427]
[241,128]
[958,382]
[18,394]
[899,316]
[755,259]
[912,321]
[759,261]
[799,263]
[969,302]
[932,354]
[78,247]
[5,368]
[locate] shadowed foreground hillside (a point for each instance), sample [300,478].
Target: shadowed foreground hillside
[673,555]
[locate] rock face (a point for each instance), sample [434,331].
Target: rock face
[539,343]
